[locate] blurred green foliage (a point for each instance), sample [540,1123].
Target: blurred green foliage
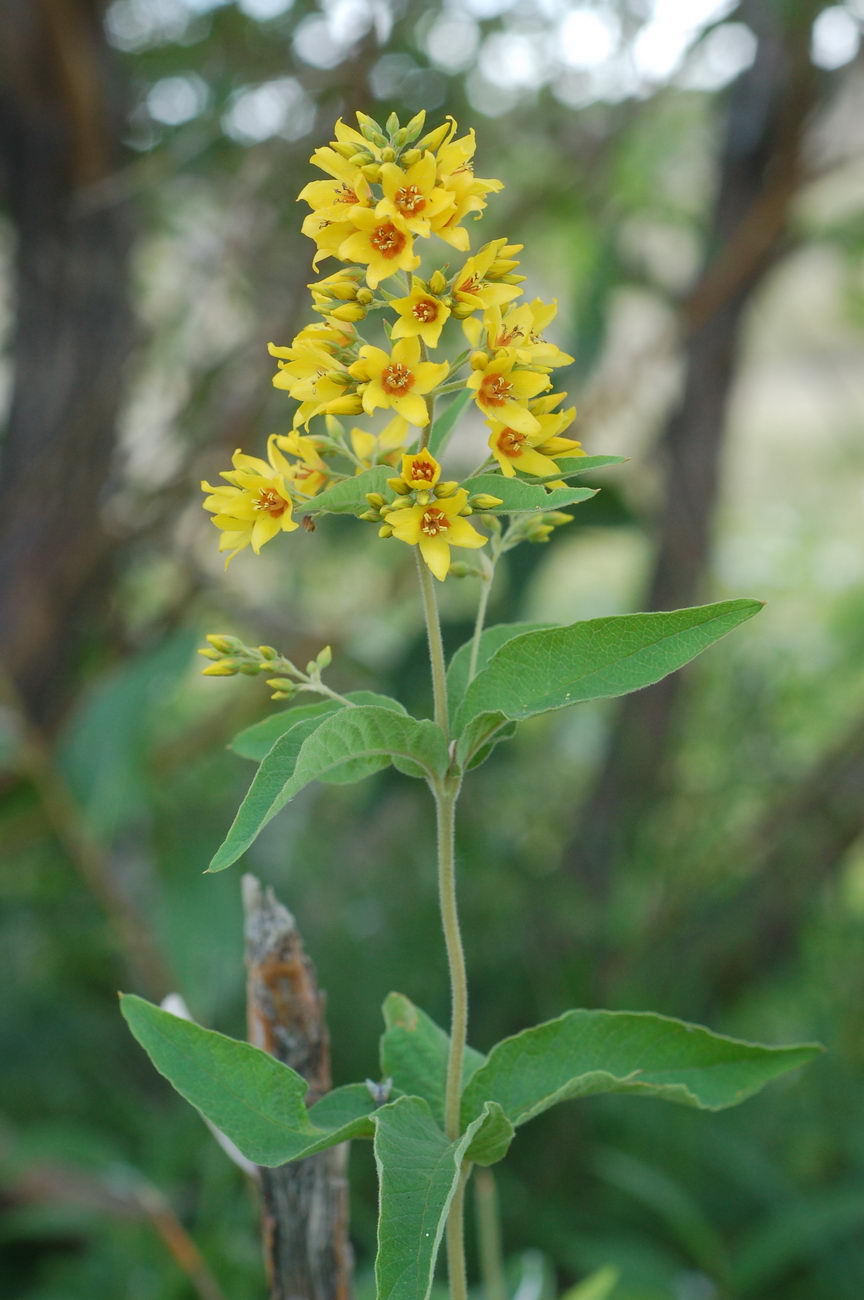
[609,181]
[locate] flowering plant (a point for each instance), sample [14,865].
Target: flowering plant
[443,1107]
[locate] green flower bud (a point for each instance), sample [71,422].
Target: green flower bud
[324,658]
[267,652]
[391,126]
[224,668]
[484,501]
[410,157]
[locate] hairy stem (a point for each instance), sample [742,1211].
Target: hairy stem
[456,1242]
[480,620]
[436,645]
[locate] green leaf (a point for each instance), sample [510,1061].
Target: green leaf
[414,1053]
[491,639]
[599,1286]
[419,1171]
[249,1095]
[256,741]
[349,496]
[587,1052]
[443,426]
[313,748]
[519,497]
[601,657]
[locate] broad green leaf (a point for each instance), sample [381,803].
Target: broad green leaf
[601,657]
[572,466]
[249,1095]
[256,741]
[349,496]
[418,1171]
[313,748]
[491,639]
[520,497]
[599,1286]
[587,1052]
[414,1053]
[445,423]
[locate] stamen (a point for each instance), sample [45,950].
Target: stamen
[434,522]
[387,240]
[510,443]
[396,378]
[425,310]
[409,199]
[495,390]
[270,502]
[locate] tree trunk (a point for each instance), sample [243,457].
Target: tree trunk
[60,124]
[304,1204]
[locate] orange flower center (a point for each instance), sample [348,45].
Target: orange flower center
[409,200]
[396,378]
[345,194]
[425,310]
[471,285]
[270,502]
[423,469]
[510,443]
[387,240]
[434,521]
[495,390]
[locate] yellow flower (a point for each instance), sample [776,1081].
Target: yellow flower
[399,380]
[256,504]
[420,469]
[382,448]
[502,392]
[311,371]
[421,314]
[535,453]
[308,474]
[412,196]
[383,245]
[478,286]
[455,174]
[519,330]
[336,199]
[435,527]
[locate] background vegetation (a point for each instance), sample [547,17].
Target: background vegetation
[688,181]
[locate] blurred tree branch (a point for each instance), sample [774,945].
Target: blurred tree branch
[760,172]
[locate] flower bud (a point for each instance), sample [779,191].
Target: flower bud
[384,531]
[324,658]
[210,654]
[388,155]
[437,282]
[399,485]
[415,126]
[283,684]
[334,427]
[364,296]
[375,499]
[350,311]
[345,148]
[462,310]
[460,570]
[435,138]
[267,652]
[360,159]
[372,172]
[484,501]
[410,157]
[226,645]
[224,668]
[479,360]
[250,670]
[445,489]
[391,126]
[371,516]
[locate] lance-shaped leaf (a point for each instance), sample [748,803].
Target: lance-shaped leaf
[601,657]
[349,496]
[445,423]
[491,640]
[249,1095]
[587,1052]
[518,497]
[418,1171]
[313,748]
[414,1052]
[572,466]
[255,742]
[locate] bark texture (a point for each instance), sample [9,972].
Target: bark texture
[304,1204]
[60,125]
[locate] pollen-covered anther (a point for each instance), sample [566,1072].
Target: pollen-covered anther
[387,240]
[409,199]
[510,442]
[271,502]
[496,390]
[434,522]
[396,378]
[426,310]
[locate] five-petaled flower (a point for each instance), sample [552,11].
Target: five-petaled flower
[256,504]
[399,379]
[435,526]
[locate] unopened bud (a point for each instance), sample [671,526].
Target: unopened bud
[415,126]
[345,148]
[445,489]
[460,570]
[437,282]
[283,684]
[479,360]
[462,310]
[324,658]
[375,499]
[391,126]
[364,296]
[372,172]
[224,668]
[360,159]
[410,157]
[435,138]
[388,155]
[349,311]
[384,531]
[267,652]
[226,645]
[484,501]
[399,485]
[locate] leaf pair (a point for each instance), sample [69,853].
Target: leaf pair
[259,1103]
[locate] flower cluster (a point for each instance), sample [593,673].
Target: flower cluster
[387,191]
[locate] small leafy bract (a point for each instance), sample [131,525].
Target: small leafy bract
[244,1092]
[587,1052]
[601,657]
[315,747]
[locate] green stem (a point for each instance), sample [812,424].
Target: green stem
[436,645]
[487,579]
[456,1241]
[489,1235]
